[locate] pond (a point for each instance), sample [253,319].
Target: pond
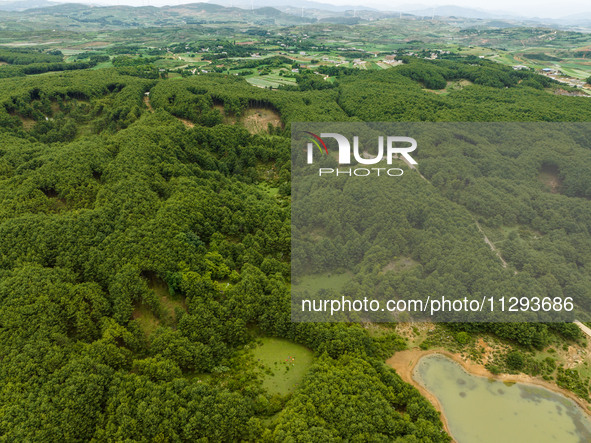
[481,410]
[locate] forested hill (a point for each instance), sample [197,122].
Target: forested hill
[145,249]
[77,16]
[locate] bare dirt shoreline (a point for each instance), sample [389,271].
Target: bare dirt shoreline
[404,362]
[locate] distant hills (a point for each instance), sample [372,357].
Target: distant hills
[22,5]
[298,4]
[280,12]
[458,11]
[77,16]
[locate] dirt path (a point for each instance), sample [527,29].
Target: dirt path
[147,103]
[187,123]
[583,328]
[492,246]
[486,239]
[404,362]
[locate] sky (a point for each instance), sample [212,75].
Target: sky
[526,8]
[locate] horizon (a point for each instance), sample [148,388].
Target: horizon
[508,8]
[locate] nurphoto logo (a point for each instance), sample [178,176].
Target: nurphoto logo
[393,150]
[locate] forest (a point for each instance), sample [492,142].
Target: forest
[146,248]
[24,61]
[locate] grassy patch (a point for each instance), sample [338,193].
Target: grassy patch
[227,119]
[269,189]
[169,304]
[316,282]
[258,119]
[400,264]
[146,319]
[28,123]
[456,85]
[283,364]
[103,65]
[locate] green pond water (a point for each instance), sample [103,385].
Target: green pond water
[479,410]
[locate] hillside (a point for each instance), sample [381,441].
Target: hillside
[145,256]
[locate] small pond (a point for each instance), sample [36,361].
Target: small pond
[479,410]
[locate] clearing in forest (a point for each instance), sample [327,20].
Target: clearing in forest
[169,304]
[256,118]
[317,282]
[549,175]
[227,119]
[455,85]
[27,122]
[283,363]
[147,103]
[400,264]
